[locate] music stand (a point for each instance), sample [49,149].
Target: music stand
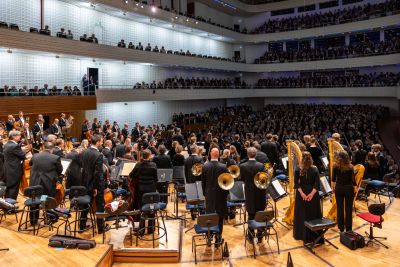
[164,178]
[126,167]
[285,160]
[237,195]
[276,191]
[194,196]
[65,164]
[325,162]
[178,178]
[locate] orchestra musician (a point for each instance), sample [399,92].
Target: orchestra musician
[59,148]
[162,160]
[10,123]
[1,153]
[255,197]
[96,126]
[28,136]
[14,154]
[269,147]
[63,124]
[74,173]
[38,132]
[136,131]
[93,179]
[125,131]
[107,152]
[344,187]
[21,118]
[190,161]
[215,196]
[55,128]
[85,129]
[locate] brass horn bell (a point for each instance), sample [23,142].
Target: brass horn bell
[197,169]
[234,170]
[226,181]
[261,180]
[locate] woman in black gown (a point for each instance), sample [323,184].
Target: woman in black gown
[316,153]
[307,205]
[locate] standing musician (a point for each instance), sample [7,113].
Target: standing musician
[55,128]
[255,197]
[96,126]
[14,154]
[46,170]
[344,187]
[85,129]
[269,147]
[74,173]
[190,161]
[215,196]
[10,123]
[28,136]
[63,124]
[1,153]
[115,128]
[107,152]
[125,131]
[145,174]
[162,160]
[21,118]
[93,178]
[38,132]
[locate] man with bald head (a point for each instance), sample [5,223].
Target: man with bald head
[215,196]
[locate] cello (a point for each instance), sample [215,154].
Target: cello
[26,166]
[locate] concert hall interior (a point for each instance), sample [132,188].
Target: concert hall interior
[199,132]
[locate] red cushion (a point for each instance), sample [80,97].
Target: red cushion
[371,218]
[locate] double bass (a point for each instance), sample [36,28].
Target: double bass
[26,166]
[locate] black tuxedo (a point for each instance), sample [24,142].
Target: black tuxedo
[261,157]
[189,162]
[162,161]
[119,151]
[74,173]
[109,155]
[58,152]
[13,155]
[9,125]
[54,129]
[46,170]
[145,173]
[125,133]
[255,198]
[62,123]
[270,148]
[136,133]
[215,196]
[35,130]
[1,161]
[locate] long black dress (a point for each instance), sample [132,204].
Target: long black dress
[306,210]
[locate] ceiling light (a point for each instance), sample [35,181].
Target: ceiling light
[197,22]
[153,9]
[176,17]
[142,6]
[126,1]
[187,20]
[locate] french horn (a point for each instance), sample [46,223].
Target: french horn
[234,170]
[261,180]
[197,169]
[226,181]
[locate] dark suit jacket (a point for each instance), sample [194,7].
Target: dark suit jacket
[255,198]
[145,173]
[108,154]
[58,152]
[270,148]
[215,196]
[1,161]
[162,161]
[62,123]
[119,150]
[179,138]
[125,133]
[35,131]
[13,155]
[54,129]
[261,157]
[46,171]
[74,173]
[189,162]
[92,169]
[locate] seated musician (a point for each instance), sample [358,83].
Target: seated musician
[107,152]
[74,174]
[55,128]
[145,173]
[307,204]
[178,159]
[162,160]
[59,148]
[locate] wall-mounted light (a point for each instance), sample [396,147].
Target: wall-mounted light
[126,1]
[9,51]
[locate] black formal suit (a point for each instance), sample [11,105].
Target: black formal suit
[179,138]
[55,129]
[13,157]
[46,171]
[162,161]
[255,197]
[238,146]
[1,161]
[109,155]
[215,196]
[145,173]
[261,157]
[9,125]
[136,133]
[93,179]
[270,148]
[189,162]
[119,151]
[125,133]
[74,173]
[58,152]
[62,123]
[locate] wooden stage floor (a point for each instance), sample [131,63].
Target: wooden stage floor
[28,250]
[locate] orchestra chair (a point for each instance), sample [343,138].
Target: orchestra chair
[7,205]
[195,200]
[375,219]
[261,223]
[49,217]
[378,188]
[179,180]
[31,206]
[237,201]
[150,211]
[206,228]
[80,203]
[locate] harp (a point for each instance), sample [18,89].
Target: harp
[359,170]
[334,147]
[294,160]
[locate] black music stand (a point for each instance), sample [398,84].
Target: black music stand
[194,196]
[164,178]
[178,178]
[237,196]
[326,191]
[2,190]
[276,191]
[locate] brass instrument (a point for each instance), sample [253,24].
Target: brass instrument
[334,148]
[294,160]
[226,181]
[197,169]
[261,180]
[234,170]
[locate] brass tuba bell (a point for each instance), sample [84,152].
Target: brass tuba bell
[234,170]
[261,180]
[197,168]
[226,181]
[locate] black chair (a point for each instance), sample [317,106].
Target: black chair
[179,179]
[151,211]
[261,223]
[207,228]
[3,25]
[7,205]
[14,26]
[49,218]
[80,204]
[31,209]
[195,200]
[33,29]
[375,219]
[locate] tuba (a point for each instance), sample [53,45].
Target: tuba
[234,170]
[226,181]
[261,180]
[69,122]
[294,160]
[197,169]
[334,147]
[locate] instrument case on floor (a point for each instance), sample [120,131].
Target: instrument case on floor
[352,240]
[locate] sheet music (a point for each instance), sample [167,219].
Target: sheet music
[325,185]
[127,168]
[278,187]
[65,165]
[325,161]
[285,162]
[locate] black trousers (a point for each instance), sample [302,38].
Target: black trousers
[344,199]
[221,224]
[99,208]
